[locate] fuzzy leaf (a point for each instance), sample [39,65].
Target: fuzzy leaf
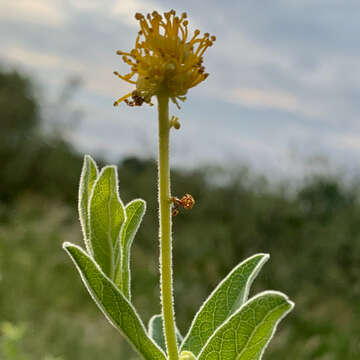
[156,331]
[88,177]
[134,213]
[246,334]
[116,308]
[228,296]
[107,214]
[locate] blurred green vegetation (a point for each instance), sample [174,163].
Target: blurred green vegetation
[312,232]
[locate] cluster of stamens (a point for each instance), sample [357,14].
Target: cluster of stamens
[165,60]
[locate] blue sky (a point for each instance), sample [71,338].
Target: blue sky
[284,83]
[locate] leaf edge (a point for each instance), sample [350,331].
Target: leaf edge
[273,292]
[87,159]
[249,282]
[67,244]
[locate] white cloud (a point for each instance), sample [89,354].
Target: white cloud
[347,141]
[41,60]
[87,4]
[97,78]
[268,99]
[127,9]
[34,11]
[320,90]
[273,99]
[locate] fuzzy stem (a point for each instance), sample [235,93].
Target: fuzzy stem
[165,230]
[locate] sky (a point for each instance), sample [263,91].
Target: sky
[282,96]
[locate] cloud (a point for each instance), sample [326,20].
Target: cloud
[265,99]
[87,5]
[34,11]
[127,9]
[346,141]
[41,59]
[282,72]
[256,97]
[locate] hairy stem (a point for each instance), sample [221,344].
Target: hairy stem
[165,229]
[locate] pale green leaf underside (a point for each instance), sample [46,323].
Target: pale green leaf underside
[117,309]
[156,331]
[88,177]
[134,213]
[228,296]
[245,335]
[106,217]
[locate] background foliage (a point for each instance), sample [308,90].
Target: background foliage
[312,232]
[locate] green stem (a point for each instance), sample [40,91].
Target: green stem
[165,229]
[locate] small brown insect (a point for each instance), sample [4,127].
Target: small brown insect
[187,202]
[137,100]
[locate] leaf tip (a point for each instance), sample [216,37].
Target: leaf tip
[291,304]
[88,160]
[265,256]
[109,168]
[279,294]
[88,157]
[66,244]
[142,201]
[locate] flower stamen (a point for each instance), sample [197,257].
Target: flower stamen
[117,102]
[126,77]
[164,59]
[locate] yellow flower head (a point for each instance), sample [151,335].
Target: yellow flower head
[164,59]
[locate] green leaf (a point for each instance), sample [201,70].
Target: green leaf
[107,214]
[88,177]
[116,308]
[246,334]
[134,213]
[228,296]
[156,331]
